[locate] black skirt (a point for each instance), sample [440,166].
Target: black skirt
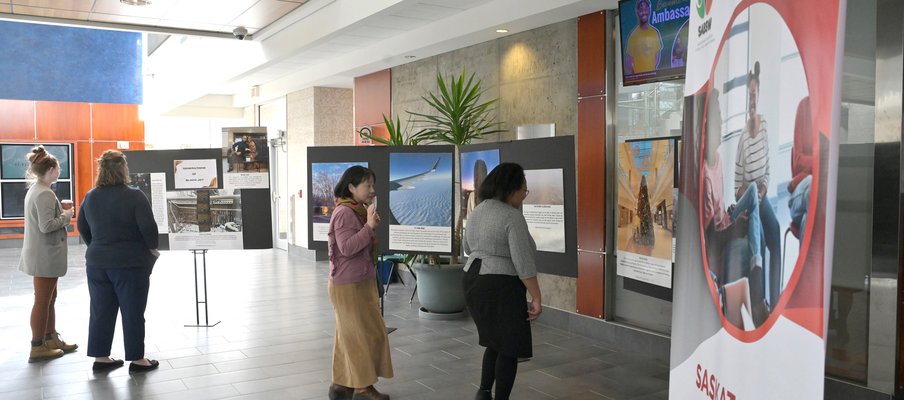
[498,305]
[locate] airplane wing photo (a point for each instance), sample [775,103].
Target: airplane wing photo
[405,183]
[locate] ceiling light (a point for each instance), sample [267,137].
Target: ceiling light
[501,30]
[136,2]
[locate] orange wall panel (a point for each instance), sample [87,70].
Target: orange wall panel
[591,174]
[592,54]
[17,120]
[590,284]
[57,120]
[116,122]
[373,98]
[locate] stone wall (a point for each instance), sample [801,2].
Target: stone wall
[534,75]
[316,116]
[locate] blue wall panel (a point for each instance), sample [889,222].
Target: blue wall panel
[57,63]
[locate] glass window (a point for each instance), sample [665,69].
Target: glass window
[13,180]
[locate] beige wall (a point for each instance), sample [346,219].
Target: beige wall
[315,117]
[534,75]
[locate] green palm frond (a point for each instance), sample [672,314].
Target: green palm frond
[460,115]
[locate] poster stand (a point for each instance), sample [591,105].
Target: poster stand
[198,302]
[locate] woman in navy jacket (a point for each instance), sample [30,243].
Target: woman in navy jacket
[117,224]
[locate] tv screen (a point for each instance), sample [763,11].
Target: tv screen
[653,39]
[14,164]
[13,194]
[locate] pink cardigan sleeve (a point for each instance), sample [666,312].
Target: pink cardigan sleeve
[351,235]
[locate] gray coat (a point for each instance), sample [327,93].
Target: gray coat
[497,234]
[44,251]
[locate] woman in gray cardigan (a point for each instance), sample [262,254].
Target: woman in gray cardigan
[501,270]
[44,253]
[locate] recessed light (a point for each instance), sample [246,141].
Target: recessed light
[136,2]
[501,30]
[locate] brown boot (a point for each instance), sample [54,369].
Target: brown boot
[42,352]
[369,393]
[339,392]
[54,341]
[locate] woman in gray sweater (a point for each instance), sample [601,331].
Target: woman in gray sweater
[500,271]
[44,253]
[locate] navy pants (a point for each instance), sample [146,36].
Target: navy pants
[113,290]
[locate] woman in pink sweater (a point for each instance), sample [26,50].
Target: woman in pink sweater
[361,349]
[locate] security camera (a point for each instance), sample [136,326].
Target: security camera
[240,33]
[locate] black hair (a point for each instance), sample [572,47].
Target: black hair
[505,179]
[354,175]
[754,74]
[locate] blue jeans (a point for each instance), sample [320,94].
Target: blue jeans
[773,235]
[798,203]
[749,203]
[117,289]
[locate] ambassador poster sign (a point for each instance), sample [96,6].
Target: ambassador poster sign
[759,160]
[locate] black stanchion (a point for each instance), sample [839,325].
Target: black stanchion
[385,289]
[198,301]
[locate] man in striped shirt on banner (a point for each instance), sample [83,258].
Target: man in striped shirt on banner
[752,167]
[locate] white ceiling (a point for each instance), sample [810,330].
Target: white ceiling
[220,16]
[316,43]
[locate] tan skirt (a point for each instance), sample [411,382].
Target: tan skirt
[361,349]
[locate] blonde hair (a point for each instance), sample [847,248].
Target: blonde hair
[39,163]
[111,169]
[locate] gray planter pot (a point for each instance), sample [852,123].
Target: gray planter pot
[440,292]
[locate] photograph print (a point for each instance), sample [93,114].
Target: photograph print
[475,166]
[420,189]
[324,177]
[757,168]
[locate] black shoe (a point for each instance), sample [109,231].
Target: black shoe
[106,366]
[483,395]
[339,392]
[135,368]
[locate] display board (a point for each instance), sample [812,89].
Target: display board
[246,158]
[201,217]
[411,192]
[543,159]
[415,191]
[647,193]
[329,160]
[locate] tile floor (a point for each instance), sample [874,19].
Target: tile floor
[275,341]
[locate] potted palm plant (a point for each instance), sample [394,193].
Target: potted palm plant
[459,117]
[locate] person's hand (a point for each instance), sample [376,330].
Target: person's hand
[69,213]
[761,190]
[535,310]
[373,219]
[731,208]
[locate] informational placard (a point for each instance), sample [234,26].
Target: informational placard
[200,219]
[420,202]
[544,209]
[234,181]
[246,161]
[759,164]
[153,185]
[324,178]
[646,205]
[195,174]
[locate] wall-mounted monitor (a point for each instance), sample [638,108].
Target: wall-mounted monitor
[14,161]
[654,36]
